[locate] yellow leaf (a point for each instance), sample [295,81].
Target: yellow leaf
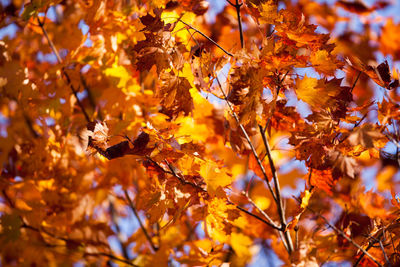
[306,90]
[46,184]
[190,130]
[215,221]
[384,178]
[319,94]
[262,202]
[172,17]
[323,63]
[241,245]
[305,199]
[20,204]
[214,177]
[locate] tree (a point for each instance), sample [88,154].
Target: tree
[153,133]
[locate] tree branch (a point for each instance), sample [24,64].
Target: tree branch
[258,217]
[112,257]
[279,228]
[115,222]
[91,97]
[279,203]
[205,36]
[248,141]
[54,49]
[133,208]
[237,7]
[277,199]
[340,232]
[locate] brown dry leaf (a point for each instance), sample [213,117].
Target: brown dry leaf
[174,94]
[342,164]
[379,74]
[366,135]
[356,6]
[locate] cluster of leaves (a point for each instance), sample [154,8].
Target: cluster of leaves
[148,133]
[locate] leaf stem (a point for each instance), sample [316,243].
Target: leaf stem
[112,257]
[355,82]
[274,225]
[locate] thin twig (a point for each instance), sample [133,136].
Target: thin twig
[279,203]
[279,228]
[205,36]
[29,123]
[133,208]
[340,232]
[384,254]
[237,7]
[370,245]
[114,219]
[59,60]
[110,256]
[173,173]
[248,141]
[91,97]
[355,125]
[258,217]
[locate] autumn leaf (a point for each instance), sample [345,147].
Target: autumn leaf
[174,111]
[306,90]
[321,179]
[324,63]
[344,165]
[174,94]
[268,12]
[214,177]
[365,136]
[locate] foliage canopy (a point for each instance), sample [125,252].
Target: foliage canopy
[149,133]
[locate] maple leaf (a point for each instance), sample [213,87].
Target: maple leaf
[379,74]
[174,94]
[323,94]
[95,135]
[268,12]
[343,165]
[366,135]
[214,177]
[323,120]
[325,63]
[321,179]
